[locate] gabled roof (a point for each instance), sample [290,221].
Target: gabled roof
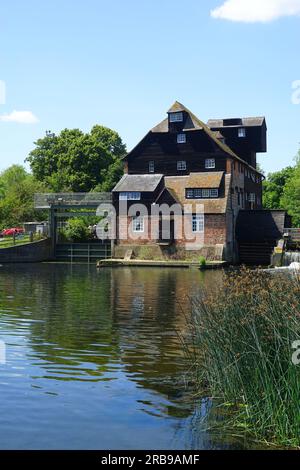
[209,180]
[138,183]
[177,108]
[177,186]
[243,122]
[192,123]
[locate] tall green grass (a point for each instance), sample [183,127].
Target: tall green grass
[243,336]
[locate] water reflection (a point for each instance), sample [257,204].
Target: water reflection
[95,359]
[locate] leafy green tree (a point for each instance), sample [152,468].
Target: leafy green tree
[291,195]
[17,189]
[77,231]
[78,162]
[274,187]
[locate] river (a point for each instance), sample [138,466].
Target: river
[94,359]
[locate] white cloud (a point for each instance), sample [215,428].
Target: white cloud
[252,11]
[21,117]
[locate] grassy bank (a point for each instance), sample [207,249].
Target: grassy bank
[9,242]
[243,353]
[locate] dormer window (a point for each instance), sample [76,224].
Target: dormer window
[181,139]
[176,117]
[242,132]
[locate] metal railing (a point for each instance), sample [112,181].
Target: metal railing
[82,252]
[47,200]
[22,239]
[293,233]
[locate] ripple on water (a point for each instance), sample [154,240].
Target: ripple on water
[94,359]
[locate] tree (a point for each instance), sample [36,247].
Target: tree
[17,189]
[291,195]
[274,187]
[77,230]
[78,162]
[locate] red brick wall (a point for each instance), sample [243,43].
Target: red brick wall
[215,229]
[214,232]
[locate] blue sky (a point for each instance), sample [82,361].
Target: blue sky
[123,63]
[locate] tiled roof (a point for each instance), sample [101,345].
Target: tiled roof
[205,180]
[178,185]
[139,183]
[246,122]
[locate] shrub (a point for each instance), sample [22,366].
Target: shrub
[202,262]
[77,231]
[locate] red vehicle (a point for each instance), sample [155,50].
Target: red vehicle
[10,232]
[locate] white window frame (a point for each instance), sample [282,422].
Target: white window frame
[181,165]
[189,193]
[242,132]
[214,193]
[181,138]
[198,193]
[130,196]
[138,224]
[210,163]
[176,117]
[152,166]
[198,223]
[252,197]
[205,193]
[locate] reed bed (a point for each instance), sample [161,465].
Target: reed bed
[243,353]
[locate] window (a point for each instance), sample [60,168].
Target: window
[214,193]
[176,117]
[242,132]
[151,167]
[198,193]
[205,193]
[198,223]
[130,196]
[181,166]
[138,224]
[210,163]
[251,197]
[181,139]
